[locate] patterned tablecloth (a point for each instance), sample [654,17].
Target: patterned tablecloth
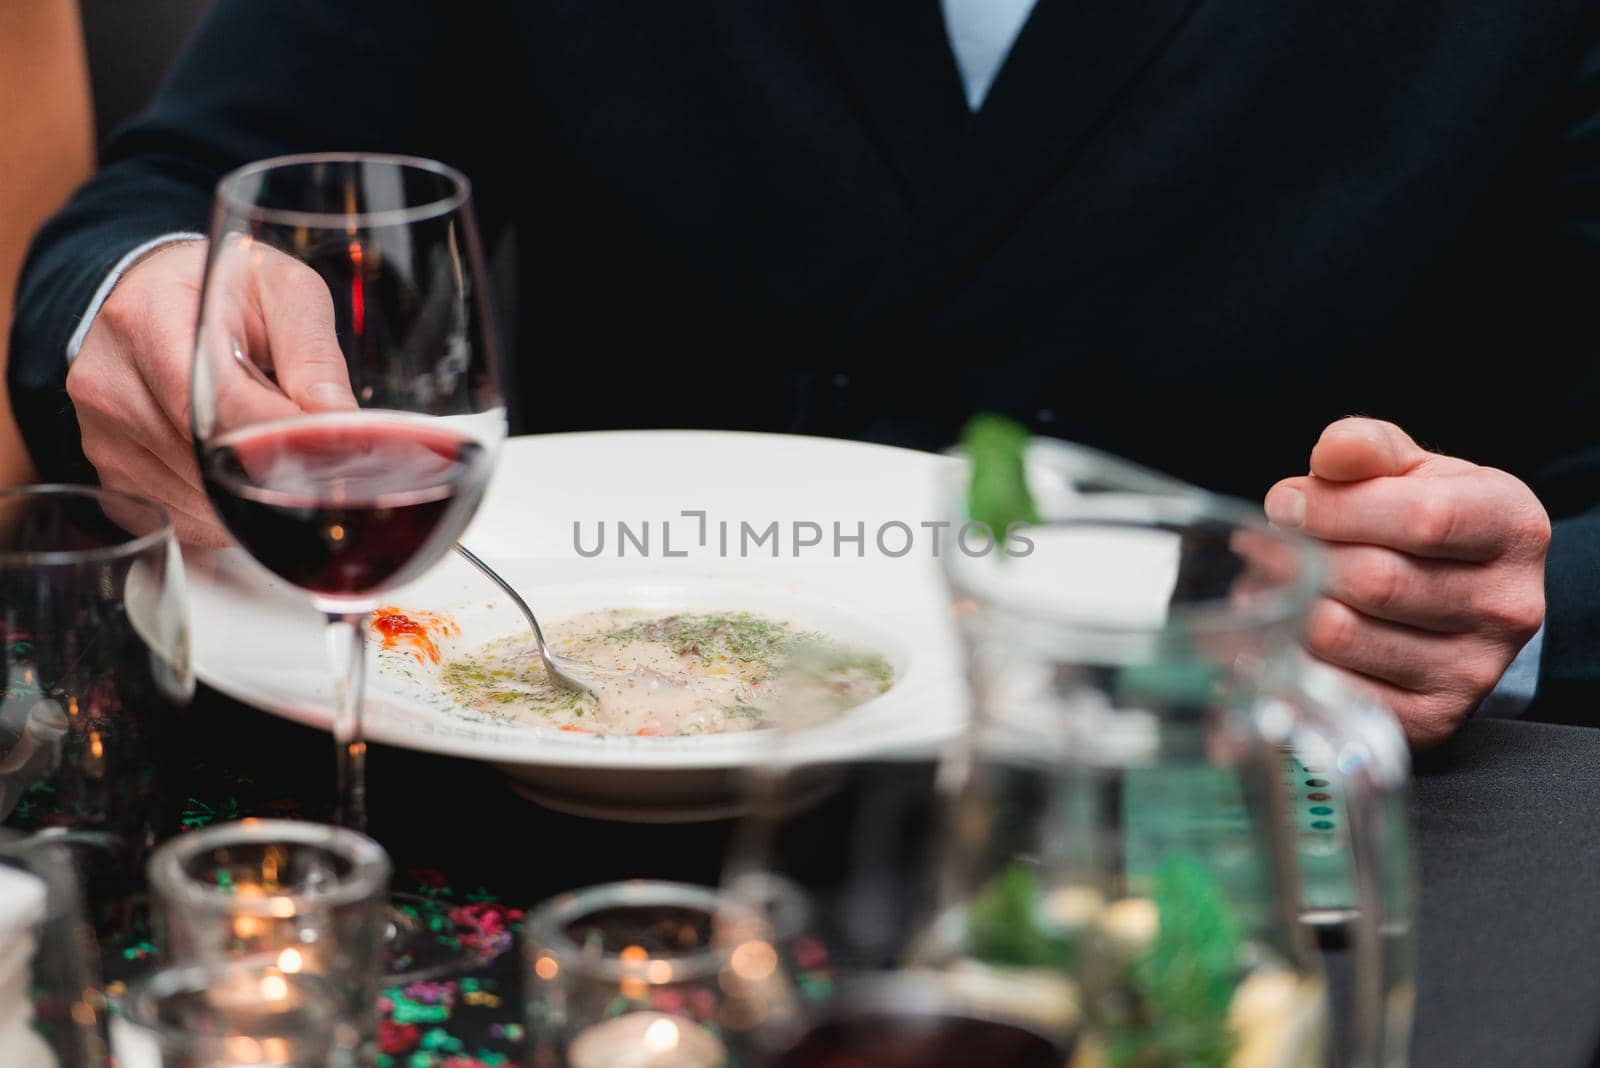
[458,837]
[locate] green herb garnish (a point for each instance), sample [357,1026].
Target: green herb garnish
[735,636]
[997,495]
[1186,980]
[1004,927]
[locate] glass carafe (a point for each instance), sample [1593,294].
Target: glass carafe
[1122,812]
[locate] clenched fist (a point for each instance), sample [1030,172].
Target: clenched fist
[1437,576]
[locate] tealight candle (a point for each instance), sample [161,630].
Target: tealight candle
[647,1039]
[239,1015]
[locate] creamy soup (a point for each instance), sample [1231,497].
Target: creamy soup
[687,673]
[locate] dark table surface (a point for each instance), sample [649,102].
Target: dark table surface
[1508,850]
[1507,838]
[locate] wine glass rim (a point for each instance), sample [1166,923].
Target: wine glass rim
[547,923]
[228,191]
[135,545]
[369,866]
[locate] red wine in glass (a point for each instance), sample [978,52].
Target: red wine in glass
[345,504]
[886,1039]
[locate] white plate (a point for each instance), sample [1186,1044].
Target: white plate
[259,641]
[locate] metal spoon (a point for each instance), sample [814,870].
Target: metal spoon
[565,670]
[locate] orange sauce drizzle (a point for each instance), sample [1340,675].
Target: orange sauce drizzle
[414,632]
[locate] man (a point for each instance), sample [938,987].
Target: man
[1189,231]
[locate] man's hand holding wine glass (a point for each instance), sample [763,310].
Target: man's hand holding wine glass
[130,382]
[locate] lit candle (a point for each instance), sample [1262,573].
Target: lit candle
[647,1040]
[242,1016]
[263,993]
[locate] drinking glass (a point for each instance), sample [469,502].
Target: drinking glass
[362,274]
[299,897]
[1122,819]
[650,975]
[94,675]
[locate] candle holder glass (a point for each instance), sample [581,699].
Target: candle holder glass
[243,1013]
[306,898]
[651,975]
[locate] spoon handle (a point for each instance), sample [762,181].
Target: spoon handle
[516,598]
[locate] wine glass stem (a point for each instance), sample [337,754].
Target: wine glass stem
[347,652]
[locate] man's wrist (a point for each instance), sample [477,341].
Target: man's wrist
[107,284]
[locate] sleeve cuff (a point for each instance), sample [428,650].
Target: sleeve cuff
[109,282]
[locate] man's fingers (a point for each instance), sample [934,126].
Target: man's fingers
[133,468]
[239,395]
[297,315]
[1480,515]
[1447,596]
[1463,665]
[1355,448]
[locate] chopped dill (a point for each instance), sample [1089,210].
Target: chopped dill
[734,636]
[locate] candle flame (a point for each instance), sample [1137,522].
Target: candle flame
[242,1049]
[661,1036]
[270,861]
[274,987]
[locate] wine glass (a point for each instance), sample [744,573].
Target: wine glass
[346,404]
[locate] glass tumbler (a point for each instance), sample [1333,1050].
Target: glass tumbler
[303,897]
[650,975]
[235,1014]
[94,677]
